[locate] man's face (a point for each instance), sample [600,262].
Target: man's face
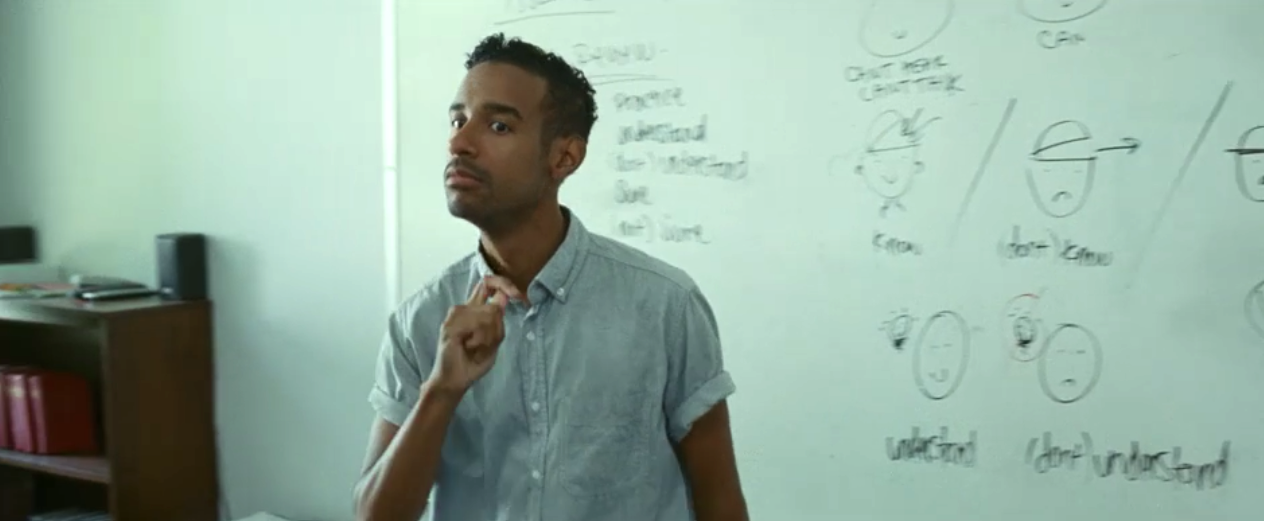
[1057,11]
[498,167]
[889,173]
[1060,187]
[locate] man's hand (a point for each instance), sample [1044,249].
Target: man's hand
[471,335]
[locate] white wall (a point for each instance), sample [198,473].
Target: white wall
[259,124]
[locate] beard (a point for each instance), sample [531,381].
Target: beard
[497,207]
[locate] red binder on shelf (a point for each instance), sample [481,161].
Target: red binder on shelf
[61,418]
[6,436]
[6,439]
[17,407]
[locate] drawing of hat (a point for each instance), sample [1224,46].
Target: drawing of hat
[1064,141]
[1251,142]
[886,132]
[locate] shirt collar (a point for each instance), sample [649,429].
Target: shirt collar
[560,270]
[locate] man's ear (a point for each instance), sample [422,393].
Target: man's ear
[567,155]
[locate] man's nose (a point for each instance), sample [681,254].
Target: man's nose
[461,143]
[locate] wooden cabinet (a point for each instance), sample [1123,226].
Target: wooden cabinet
[150,365]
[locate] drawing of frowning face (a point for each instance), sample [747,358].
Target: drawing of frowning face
[1061,188]
[1061,170]
[941,355]
[897,27]
[1249,158]
[1255,308]
[889,173]
[1021,328]
[1070,363]
[1058,11]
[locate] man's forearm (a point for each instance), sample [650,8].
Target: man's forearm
[730,506]
[397,486]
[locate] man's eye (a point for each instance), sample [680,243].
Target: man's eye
[456,123]
[500,127]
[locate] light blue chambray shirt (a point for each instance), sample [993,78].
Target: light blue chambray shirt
[617,357]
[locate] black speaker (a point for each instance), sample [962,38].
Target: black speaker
[182,266]
[17,244]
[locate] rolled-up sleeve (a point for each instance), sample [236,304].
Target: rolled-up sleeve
[399,373]
[696,378]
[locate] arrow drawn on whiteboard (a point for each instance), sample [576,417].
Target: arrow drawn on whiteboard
[1176,182]
[1131,144]
[978,174]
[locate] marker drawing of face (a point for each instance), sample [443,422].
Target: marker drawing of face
[890,158]
[1060,173]
[892,28]
[1059,11]
[889,172]
[1249,157]
[1255,308]
[1070,363]
[941,355]
[1021,329]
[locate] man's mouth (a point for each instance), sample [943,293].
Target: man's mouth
[1062,195]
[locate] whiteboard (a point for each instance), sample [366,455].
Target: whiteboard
[971,259]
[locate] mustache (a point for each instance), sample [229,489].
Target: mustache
[468,167]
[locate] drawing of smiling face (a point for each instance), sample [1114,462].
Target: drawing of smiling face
[1070,363]
[1061,170]
[1058,11]
[1021,328]
[1249,159]
[897,27]
[889,173]
[939,361]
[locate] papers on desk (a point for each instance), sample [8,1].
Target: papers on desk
[28,290]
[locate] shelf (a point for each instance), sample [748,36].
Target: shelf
[95,469]
[73,312]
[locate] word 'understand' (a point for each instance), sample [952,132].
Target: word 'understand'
[934,448]
[1133,464]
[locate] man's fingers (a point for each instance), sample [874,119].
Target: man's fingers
[500,299]
[497,284]
[479,295]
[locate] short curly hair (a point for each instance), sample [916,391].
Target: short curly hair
[570,108]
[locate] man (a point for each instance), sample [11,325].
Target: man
[554,374]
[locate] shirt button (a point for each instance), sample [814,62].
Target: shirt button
[535,474]
[535,406]
[561,291]
[531,336]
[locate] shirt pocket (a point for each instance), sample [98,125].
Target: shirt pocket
[605,444]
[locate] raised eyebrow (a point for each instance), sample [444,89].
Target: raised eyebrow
[492,107]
